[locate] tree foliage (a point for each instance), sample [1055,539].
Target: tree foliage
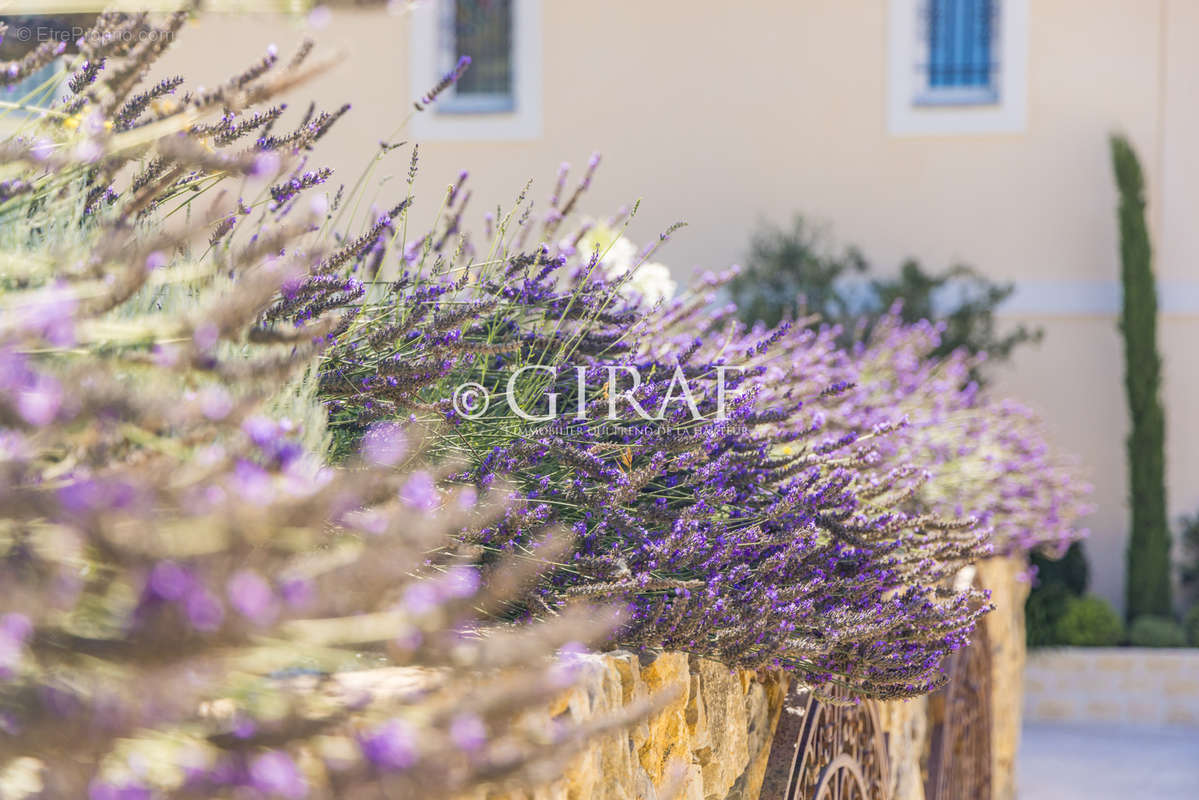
[791,272]
[1148,576]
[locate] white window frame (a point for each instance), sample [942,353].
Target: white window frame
[914,109]
[476,118]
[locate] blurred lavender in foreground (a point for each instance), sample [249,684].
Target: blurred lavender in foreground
[191,603]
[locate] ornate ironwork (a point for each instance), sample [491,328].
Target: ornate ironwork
[959,762]
[826,750]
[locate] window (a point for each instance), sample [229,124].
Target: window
[499,96]
[481,29]
[25,33]
[959,37]
[957,66]
[37,89]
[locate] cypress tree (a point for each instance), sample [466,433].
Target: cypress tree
[1148,565]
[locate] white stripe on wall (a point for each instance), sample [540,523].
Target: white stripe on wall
[1094,297]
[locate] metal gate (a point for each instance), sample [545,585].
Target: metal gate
[959,759]
[826,750]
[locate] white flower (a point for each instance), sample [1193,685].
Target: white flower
[619,258]
[615,252]
[651,282]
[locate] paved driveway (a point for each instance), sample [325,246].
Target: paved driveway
[1096,762]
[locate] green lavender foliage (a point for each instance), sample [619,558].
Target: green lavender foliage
[795,271]
[1148,569]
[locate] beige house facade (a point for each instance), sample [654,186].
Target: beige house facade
[729,114]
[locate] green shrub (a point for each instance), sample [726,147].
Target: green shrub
[1058,581]
[794,271]
[791,272]
[1190,624]
[1071,569]
[1089,621]
[1154,631]
[1188,546]
[1042,611]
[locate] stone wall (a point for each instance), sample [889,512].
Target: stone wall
[713,740]
[906,725]
[710,743]
[1007,579]
[1113,685]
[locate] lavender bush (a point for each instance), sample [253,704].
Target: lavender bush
[988,457]
[816,527]
[192,604]
[760,539]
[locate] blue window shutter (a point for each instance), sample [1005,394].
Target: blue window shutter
[961,34]
[483,31]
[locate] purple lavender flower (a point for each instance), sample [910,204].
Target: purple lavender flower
[42,148]
[204,610]
[447,80]
[206,336]
[39,403]
[391,746]
[460,582]
[320,17]
[263,431]
[468,733]
[16,626]
[286,191]
[103,790]
[252,596]
[169,581]
[420,493]
[51,314]
[14,631]
[275,774]
[384,444]
[421,598]
[297,592]
[253,483]
[215,402]
[266,165]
